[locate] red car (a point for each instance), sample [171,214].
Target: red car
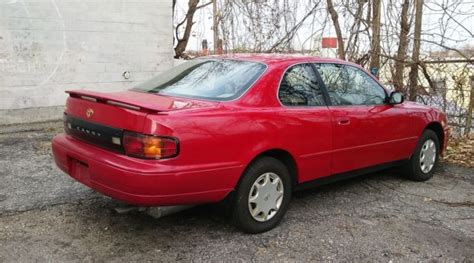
[246,128]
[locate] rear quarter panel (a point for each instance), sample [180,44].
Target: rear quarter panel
[231,136]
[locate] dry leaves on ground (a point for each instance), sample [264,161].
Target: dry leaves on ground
[461,151]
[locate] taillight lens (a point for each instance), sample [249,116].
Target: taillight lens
[149,146]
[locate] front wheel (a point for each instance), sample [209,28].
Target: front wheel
[263,196]
[425,158]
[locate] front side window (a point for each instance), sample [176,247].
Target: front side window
[214,79]
[347,85]
[299,87]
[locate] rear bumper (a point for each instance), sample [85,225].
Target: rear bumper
[143,182]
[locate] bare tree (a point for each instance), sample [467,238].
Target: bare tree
[182,41]
[470,107]
[375,43]
[402,47]
[413,77]
[264,26]
[290,32]
[355,31]
[215,24]
[335,21]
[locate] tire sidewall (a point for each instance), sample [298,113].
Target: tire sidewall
[241,214]
[418,174]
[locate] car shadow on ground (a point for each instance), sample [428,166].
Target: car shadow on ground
[217,216]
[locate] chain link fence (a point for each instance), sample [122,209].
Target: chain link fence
[448,86]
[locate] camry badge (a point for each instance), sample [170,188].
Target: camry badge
[89,112]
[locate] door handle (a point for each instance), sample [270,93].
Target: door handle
[343,121]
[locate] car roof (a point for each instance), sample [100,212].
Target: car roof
[279,58]
[272,59]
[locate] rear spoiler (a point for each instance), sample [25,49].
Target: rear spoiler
[117,99]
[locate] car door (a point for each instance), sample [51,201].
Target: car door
[366,130]
[308,122]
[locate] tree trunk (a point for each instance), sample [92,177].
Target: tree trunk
[183,41]
[402,48]
[416,50]
[469,109]
[215,25]
[375,44]
[335,21]
[351,44]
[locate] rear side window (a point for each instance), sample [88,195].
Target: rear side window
[214,79]
[347,85]
[299,87]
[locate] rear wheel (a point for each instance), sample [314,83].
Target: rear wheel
[263,196]
[425,158]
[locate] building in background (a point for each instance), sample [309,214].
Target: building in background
[47,47]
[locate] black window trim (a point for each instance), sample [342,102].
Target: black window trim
[320,84]
[329,102]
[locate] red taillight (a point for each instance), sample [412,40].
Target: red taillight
[149,146]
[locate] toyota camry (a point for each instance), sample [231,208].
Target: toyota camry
[248,129]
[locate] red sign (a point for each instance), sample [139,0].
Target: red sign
[329,42]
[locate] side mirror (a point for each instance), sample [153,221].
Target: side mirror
[395,98]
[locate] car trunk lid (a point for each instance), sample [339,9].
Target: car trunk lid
[100,118]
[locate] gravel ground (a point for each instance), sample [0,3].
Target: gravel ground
[46,216]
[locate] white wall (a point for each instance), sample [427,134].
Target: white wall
[47,47]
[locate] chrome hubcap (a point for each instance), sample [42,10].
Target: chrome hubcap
[427,156]
[265,197]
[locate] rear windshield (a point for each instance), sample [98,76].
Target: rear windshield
[214,79]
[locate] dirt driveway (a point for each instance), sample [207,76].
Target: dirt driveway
[45,215]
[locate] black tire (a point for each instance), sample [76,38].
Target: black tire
[412,170]
[241,215]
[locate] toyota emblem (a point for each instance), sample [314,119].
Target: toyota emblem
[89,112]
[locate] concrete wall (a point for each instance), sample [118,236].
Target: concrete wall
[49,46]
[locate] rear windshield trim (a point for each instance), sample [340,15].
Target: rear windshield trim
[215,99]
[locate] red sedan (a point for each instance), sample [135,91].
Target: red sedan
[250,129]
